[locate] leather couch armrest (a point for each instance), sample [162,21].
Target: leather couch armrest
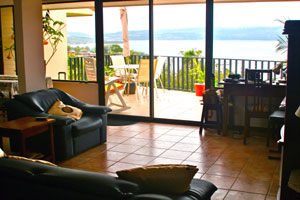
[60,120]
[95,109]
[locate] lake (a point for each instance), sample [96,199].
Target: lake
[238,49]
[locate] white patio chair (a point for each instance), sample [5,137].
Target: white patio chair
[158,69]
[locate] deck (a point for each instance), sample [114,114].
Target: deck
[168,104]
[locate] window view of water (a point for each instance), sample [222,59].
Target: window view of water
[236,49]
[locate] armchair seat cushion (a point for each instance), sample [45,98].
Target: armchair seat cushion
[87,123]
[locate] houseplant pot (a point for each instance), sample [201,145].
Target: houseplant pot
[199,88]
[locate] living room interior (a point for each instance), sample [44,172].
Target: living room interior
[235,165]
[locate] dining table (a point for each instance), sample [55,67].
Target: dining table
[241,89]
[128,72]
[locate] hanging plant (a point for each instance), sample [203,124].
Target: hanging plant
[52,33]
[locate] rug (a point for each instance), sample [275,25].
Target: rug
[120,122]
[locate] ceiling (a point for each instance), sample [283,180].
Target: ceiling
[114,3]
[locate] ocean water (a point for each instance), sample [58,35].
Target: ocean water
[236,49]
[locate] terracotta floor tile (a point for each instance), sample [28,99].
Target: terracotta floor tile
[170,138]
[148,151]
[172,154]
[158,161]
[126,148]
[202,157]
[137,159]
[95,165]
[251,185]
[274,187]
[219,194]
[203,167]
[237,195]
[147,135]
[116,139]
[270,197]
[260,174]
[121,166]
[178,132]
[113,155]
[185,147]
[160,144]
[223,182]
[224,170]
[137,141]
[124,133]
[191,140]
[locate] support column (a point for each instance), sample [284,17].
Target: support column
[209,30]
[29,45]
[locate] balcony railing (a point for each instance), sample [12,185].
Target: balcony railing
[178,72]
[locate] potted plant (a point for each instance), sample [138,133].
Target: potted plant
[197,72]
[198,78]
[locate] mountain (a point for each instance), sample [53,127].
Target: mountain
[240,33]
[80,38]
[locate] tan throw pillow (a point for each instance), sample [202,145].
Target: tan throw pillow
[172,179]
[31,160]
[59,108]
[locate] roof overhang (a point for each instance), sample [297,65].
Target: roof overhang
[119,3]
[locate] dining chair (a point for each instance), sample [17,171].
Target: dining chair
[159,68]
[258,104]
[212,112]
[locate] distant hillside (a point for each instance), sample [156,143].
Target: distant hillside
[247,33]
[80,38]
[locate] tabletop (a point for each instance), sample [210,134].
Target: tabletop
[131,66]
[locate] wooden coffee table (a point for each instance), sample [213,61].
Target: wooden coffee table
[26,127]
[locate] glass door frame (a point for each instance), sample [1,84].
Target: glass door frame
[100,60]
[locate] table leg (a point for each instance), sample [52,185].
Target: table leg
[23,146]
[225,114]
[52,142]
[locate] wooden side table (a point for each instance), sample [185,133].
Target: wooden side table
[27,127]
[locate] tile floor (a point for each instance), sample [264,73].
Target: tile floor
[241,172]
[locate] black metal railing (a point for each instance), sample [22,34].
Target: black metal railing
[180,73]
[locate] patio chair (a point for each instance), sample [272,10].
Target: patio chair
[118,60]
[91,75]
[159,67]
[143,76]
[257,104]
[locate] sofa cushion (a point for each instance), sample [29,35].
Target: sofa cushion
[172,179]
[59,108]
[87,123]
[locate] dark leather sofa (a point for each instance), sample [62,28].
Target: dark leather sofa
[71,137]
[22,179]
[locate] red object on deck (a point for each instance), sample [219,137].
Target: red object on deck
[199,89]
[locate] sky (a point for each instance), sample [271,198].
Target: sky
[190,16]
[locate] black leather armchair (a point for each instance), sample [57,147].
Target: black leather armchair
[71,137]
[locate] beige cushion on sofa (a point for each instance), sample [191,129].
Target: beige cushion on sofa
[59,108]
[172,179]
